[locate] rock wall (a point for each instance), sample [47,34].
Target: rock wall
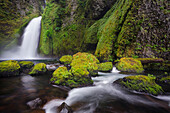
[14,16]
[109,28]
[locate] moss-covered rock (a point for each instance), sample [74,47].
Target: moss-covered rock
[9,68]
[76,77]
[141,83]
[129,65]
[39,68]
[105,67]
[87,61]
[26,64]
[66,59]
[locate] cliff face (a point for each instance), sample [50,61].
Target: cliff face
[14,16]
[65,25]
[109,28]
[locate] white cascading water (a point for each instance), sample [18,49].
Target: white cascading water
[28,48]
[92,96]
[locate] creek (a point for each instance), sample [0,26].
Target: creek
[103,97]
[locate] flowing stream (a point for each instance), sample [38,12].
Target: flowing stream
[105,97]
[30,41]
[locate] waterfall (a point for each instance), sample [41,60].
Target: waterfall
[28,48]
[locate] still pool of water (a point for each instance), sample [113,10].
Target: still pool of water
[104,97]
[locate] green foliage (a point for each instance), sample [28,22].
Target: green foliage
[66,59]
[105,67]
[9,68]
[130,65]
[26,64]
[39,68]
[142,83]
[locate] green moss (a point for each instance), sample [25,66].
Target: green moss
[141,83]
[76,77]
[109,31]
[85,61]
[105,67]
[9,68]
[66,59]
[26,64]
[130,65]
[39,68]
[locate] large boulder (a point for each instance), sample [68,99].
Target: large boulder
[9,68]
[62,76]
[141,83]
[105,67]
[26,64]
[85,61]
[130,65]
[39,68]
[66,59]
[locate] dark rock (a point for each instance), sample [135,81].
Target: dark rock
[37,103]
[64,108]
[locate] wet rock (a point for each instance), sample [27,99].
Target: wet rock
[37,103]
[26,64]
[140,83]
[64,108]
[39,68]
[130,65]
[9,68]
[105,67]
[66,59]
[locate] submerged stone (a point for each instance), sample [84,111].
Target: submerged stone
[26,64]
[9,68]
[105,67]
[130,65]
[66,59]
[39,68]
[64,108]
[141,83]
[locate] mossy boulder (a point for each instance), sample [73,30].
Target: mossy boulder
[26,64]
[77,77]
[39,68]
[130,65]
[141,83]
[105,67]
[66,59]
[9,68]
[87,61]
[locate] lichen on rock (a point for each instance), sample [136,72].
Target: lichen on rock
[130,65]
[141,83]
[9,68]
[38,69]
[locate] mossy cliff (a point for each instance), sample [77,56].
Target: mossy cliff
[109,28]
[14,16]
[65,25]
